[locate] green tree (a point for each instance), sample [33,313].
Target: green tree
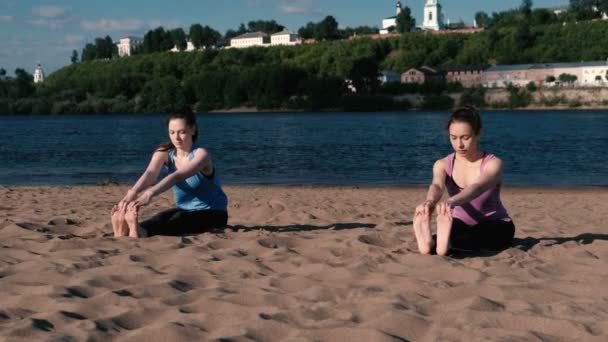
[210,37]
[526,8]
[23,85]
[327,29]
[307,31]
[74,58]
[567,78]
[196,35]
[88,53]
[266,26]
[405,21]
[584,9]
[2,72]
[482,19]
[178,38]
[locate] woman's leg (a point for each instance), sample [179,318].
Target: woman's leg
[159,222]
[184,222]
[491,235]
[422,230]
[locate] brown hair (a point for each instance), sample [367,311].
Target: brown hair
[467,114]
[187,115]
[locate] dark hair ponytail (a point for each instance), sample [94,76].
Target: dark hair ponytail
[187,115]
[467,114]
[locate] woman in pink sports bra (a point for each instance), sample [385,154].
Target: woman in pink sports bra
[472,217]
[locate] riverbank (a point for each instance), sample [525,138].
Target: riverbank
[298,263]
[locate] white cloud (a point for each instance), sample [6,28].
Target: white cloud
[126,25]
[50,23]
[299,7]
[107,25]
[5,18]
[49,11]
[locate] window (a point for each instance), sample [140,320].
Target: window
[430,16]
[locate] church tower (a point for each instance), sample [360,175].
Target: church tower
[398,8]
[38,74]
[433,18]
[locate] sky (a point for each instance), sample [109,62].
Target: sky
[46,32]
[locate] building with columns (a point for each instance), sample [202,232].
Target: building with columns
[127,44]
[433,17]
[38,74]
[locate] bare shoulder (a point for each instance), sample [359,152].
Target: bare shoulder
[493,167]
[440,165]
[201,152]
[160,155]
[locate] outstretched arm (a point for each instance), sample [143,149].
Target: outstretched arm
[200,161]
[492,175]
[436,188]
[159,158]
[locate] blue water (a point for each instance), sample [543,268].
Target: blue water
[567,148]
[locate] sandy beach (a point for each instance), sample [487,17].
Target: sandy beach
[299,264]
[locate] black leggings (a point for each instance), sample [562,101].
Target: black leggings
[491,235]
[178,221]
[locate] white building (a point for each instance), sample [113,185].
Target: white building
[390,23]
[433,17]
[126,45]
[284,38]
[38,74]
[189,47]
[249,39]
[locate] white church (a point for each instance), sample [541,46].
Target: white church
[433,18]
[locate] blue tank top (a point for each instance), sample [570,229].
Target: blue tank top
[198,192]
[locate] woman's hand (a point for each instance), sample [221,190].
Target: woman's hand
[425,208]
[129,197]
[144,198]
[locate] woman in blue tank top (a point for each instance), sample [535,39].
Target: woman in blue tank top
[201,204]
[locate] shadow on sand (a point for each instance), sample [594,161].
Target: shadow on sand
[529,242]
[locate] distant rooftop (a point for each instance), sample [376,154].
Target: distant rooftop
[283,32]
[256,34]
[514,67]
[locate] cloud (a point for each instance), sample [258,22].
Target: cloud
[300,7]
[49,11]
[126,25]
[109,25]
[5,18]
[50,23]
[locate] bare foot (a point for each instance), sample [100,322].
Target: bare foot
[116,219]
[123,227]
[422,229]
[131,217]
[444,228]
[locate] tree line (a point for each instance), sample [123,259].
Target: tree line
[308,76]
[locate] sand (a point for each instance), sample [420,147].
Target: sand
[299,264]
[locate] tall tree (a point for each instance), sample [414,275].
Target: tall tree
[405,21]
[210,37]
[327,29]
[266,26]
[196,35]
[482,19]
[88,52]
[526,8]
[74,58]
[2,72]
[178,38]
[308,31]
